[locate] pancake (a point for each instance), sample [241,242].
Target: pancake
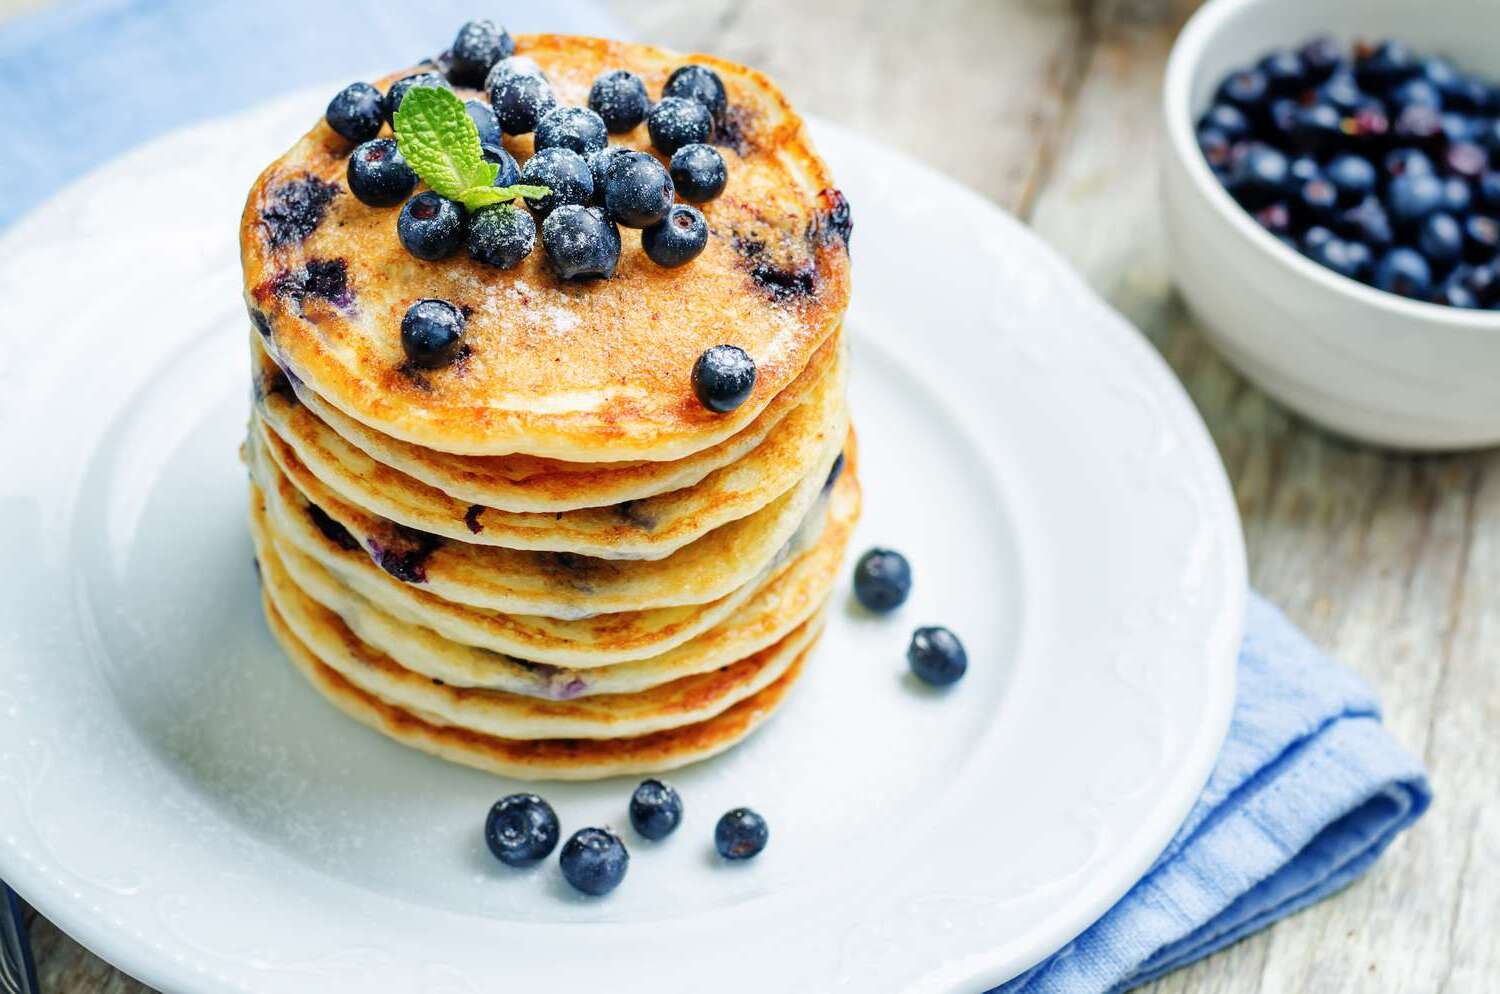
[775,609]
[529,483]
[585,372]
[679,702]
[533,759]
[557,585]
[649,528]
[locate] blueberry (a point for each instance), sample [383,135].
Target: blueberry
[431,227]
[1472,96]
[378,174]
[1419,125]
[1228,120]
[1404,161]
[1303,168]
[1441,240]
[1385,65]
[1465,159]
[882,580]
[619,98]
[1215,147]
[1417,92]
[698,172]
[520,100]
[564,173]
[1457,197]
[1245,89]
[576,128]
[936,656]
[1318,128]
[594,861]
[501,235]
[741,834]
[677,121]
[581,242]
[1259,174]
[1353,176]
[1483,281]
[521,829]
[655,809]
[723,378]
[1481,238]
[1283,70]
[1368,222]
[399,89]
[1321,56]
[476,48]
[700,83]
[1488,189]
[515,65]
[356,112]
[677,239]
[1441,74]
[1314,237]
[431,333]
[1281,119]
[1316,200]
[1412,197]
[1341,91]
[1403,271]
[599,168]
[1350,259]
[637,190]
[509,173]
[485,121]
[1452,292]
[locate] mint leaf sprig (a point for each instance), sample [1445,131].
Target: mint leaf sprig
[440,142]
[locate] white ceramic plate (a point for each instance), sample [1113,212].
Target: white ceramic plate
[173,796]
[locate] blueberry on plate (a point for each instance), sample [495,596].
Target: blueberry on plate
[700,83]
[619,98]
[564,173]
[637,190]
[655,809]
[581,242]
[698,172]
[1413,196]
[501,235]
[677,239]
[509,173]
[484,120]
[356,112]
[1258,174]
[599,163]
[476,48]
[1353,176]
[723,377]
[594,861]
[431,333]
[399,89]
[936,656]
[1441,240]
[378,174]
[882,580]
[431,227]
[521,829]
[1405,272]
[575,128]
[520,100]
[678,121]
[741,834]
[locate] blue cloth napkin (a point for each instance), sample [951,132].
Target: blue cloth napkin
[1308,791]
[1309,788]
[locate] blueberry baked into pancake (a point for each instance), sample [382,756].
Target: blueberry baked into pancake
[551,462]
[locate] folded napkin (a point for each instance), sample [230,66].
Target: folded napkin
[1308,790]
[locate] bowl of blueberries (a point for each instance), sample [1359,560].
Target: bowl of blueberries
[1332,192]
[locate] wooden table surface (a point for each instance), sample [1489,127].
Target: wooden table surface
[1390,562]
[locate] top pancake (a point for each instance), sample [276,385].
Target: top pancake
[582,371]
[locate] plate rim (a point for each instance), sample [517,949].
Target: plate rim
[162,971]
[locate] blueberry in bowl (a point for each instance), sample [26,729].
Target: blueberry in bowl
[1357,310]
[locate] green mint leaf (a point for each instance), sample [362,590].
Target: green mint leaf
[440,142]
[476,197]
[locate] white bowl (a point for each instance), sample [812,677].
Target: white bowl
[1362,362]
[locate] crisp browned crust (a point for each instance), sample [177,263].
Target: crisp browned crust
[585,372]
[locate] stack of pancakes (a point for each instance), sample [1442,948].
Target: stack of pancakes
[549,559]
